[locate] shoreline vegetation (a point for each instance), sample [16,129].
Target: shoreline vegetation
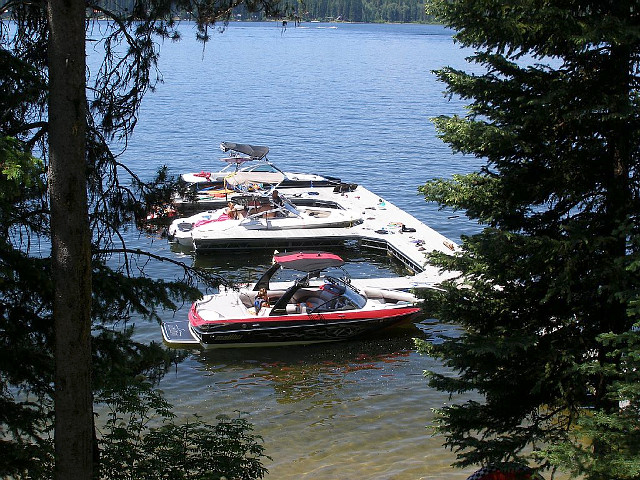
[295,22]
[327,11]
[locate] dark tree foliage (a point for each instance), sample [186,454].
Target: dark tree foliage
[547,297]
[129,44]
[368,11]
[137,445]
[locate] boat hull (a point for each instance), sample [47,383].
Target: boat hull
[311,328]
[281,239]
[275,233]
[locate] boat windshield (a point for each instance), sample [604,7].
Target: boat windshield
[232,166]
[347,299]
[358,299]
[261,167]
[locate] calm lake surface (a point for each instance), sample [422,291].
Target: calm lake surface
[353,101]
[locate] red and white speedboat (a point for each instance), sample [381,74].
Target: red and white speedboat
[313,308]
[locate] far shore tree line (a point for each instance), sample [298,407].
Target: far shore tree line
[359,11]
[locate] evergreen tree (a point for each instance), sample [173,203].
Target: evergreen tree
[548,293]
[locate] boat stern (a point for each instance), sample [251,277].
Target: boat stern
[178,334]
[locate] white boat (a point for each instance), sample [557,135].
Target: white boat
[247,170]
[180,229]
[257,221]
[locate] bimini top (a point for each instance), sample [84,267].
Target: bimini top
[306,262]
[254,151]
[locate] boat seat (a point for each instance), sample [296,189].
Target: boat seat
[312,302]
[303,294]
[293,308]
[247,300]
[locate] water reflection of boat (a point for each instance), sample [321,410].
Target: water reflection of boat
[308,372]
[313,308]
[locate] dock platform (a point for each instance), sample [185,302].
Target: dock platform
[385,228]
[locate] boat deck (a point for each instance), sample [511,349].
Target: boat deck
[381,230]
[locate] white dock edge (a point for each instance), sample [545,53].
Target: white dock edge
[382,230]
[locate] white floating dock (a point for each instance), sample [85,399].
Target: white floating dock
[381,229]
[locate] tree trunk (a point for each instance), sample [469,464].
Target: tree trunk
[71,241]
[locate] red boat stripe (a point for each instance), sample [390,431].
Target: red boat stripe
[196,320]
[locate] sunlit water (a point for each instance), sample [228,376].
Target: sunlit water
[352,101]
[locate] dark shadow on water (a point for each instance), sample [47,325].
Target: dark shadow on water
[246,267]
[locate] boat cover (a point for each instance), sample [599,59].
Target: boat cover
[254,151]
[241,178]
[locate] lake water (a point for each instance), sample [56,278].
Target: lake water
[352,101]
